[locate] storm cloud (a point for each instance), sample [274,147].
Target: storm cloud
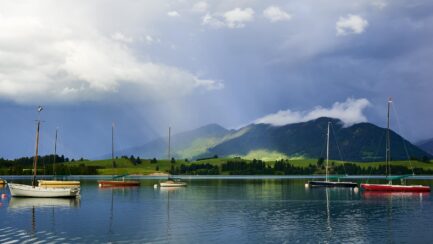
[148,65]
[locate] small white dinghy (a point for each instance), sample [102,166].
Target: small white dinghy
[20,190]
[172,183]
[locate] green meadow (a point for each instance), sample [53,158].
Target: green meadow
[146,166]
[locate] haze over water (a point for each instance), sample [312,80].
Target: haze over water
[220,210]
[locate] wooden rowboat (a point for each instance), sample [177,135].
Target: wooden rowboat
[116,183]
[58,183]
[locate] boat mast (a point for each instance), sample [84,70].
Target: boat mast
[112,145]
[327,151]
[169,142]
[55,153]
[35,160]
[388,143]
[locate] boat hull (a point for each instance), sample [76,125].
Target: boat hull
[172,184]
[331,184]
[394,188]
[19,190]
[114,183]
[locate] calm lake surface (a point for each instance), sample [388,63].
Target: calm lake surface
[220,210]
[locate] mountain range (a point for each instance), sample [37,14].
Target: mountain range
[359,142]
[426,145]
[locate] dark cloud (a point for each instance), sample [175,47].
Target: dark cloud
[265,67]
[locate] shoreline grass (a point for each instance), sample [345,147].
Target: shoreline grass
[147,166]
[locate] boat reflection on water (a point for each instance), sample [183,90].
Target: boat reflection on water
[118,188]
[24,204]
[171,189]
[31,202]
[328,210]
[394,195]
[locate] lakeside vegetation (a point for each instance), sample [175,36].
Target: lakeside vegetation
[208,166]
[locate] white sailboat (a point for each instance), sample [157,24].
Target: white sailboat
[171,182]
[21,190]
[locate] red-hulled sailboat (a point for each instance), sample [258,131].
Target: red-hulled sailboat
[114,182]
[395,188]
[390,187]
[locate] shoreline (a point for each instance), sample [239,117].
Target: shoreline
[210,177]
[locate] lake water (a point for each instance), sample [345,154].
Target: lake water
[220,211]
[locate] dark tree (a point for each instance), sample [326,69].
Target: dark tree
[320,162]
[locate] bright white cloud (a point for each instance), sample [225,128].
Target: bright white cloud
[237,17]
[349,112]
[211,21]
[54,61]
[121,37]
[351,24]
[173,14]
[275,14]
[200,7]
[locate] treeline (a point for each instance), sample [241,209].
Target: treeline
[353,169]
[284,167]
[195,169]
[46,166]
[258,167]
[59,169]
[28,161]
[240,167]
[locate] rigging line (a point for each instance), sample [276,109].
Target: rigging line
[338,147]
[323,149]
[388,141]
[404,143]
[377,151]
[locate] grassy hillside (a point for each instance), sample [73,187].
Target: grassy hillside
[262,154]
[187,144]
[145,167]
[360,142]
